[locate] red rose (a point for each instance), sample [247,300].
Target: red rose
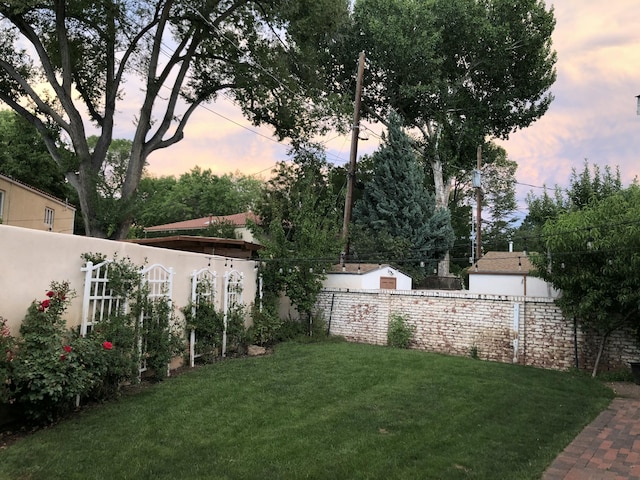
[107,345]
[67,348]
[50,293]
[45,303]
[63,357]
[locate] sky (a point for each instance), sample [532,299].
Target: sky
[593,115]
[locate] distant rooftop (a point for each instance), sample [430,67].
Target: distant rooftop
[238,219]
[503,262]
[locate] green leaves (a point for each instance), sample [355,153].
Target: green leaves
[593,258]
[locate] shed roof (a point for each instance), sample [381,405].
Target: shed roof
[226,247]
[238,219]
[356,267]
[514,263]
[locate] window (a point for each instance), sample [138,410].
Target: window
[48,217]
[1,204]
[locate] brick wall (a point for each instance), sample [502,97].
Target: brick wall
[529,331]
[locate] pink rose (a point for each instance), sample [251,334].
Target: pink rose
[107,345]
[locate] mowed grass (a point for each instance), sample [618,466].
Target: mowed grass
[323,411]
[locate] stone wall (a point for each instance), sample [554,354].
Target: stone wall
[524,330]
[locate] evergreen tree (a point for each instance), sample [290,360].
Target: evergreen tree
[396,219]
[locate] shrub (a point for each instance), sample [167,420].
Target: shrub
[266,326]
[48,370]
[6,357]
[399,332]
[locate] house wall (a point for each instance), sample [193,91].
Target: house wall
[25,207]
[32,259]
[502,328]
[367,281]
[503,284]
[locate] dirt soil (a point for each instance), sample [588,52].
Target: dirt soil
[625,389]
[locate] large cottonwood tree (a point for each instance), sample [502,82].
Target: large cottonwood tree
[64,67]
[456,71]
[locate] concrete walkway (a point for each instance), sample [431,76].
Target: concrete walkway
[607,449]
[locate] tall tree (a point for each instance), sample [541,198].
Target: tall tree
[24,156]
[588,186]
[195,194]
[457,71]
[592,257]
[61,59]
[300,228]
[397,219]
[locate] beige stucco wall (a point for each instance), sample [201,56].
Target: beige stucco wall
[25,207]
[31,259]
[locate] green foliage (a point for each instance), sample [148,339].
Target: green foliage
[266,327]
[592,257]
[300,229]
[208,324]
[86,52]
[399,332]
[196,194]
[160,336]
[47,372]
[24,156]
[6,356]
[586,187]
[397,218]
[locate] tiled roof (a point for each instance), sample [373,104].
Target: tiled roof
[502,262]
[238,219]
[353,267]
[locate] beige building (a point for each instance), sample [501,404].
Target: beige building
[27,207]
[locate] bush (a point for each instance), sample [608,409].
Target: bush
[266,326]
[399,332]
[48,370]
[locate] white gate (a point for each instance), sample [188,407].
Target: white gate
[203,290]
[233,286]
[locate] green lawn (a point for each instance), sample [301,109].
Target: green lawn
[323,411]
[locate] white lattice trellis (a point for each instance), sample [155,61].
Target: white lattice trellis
[98,300]
[203,289]
[159,282]
[233,286]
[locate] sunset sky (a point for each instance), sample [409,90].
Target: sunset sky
[592,117]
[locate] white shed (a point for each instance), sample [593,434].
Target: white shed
[367,276]
[507,273]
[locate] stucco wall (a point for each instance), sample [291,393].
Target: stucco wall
[455,322]
[31,259]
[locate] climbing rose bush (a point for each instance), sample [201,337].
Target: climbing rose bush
[52,366]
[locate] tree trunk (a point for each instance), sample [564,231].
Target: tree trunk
[442,189]
[603,341]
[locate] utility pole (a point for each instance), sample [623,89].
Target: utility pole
[478,184]
[351,179]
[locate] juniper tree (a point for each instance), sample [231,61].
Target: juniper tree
[396,220]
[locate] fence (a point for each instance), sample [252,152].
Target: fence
[32,259]
[524,330]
